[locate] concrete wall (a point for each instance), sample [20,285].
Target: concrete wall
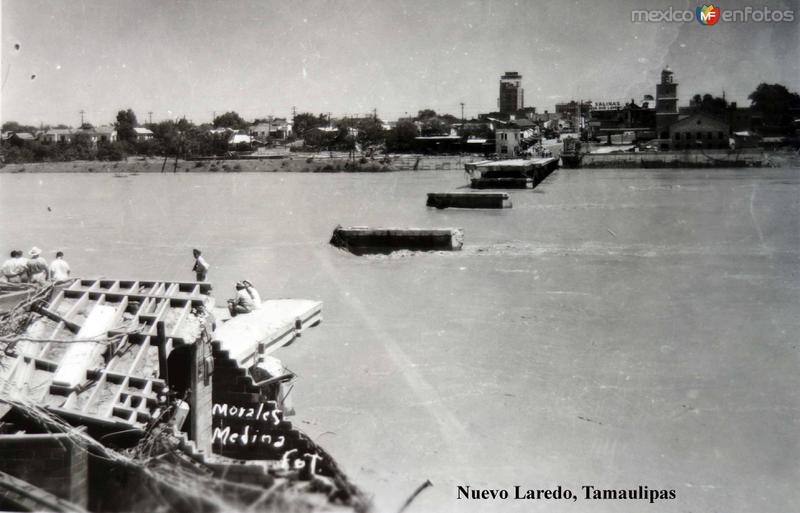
[50,461]
[706,158]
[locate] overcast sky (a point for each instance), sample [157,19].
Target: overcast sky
[262,57]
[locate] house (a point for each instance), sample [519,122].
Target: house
[143,134]
[509,136]
[239,138]
[507,141]
[281,128]
[58,135]
[699,131]
[277,128]
[101,134]
[18,136]
[260,130]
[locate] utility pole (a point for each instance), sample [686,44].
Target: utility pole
[150,115]
[462,130]
[82,117]
[374,113]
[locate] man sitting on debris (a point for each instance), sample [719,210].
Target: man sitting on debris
[37,266]
[15,269]
[59,268]
[244,301]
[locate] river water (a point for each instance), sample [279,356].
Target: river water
[614,328]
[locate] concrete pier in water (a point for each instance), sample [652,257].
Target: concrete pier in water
[362,240]
[469,200]
[511,173]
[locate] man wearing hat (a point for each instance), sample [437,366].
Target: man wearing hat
[37,266]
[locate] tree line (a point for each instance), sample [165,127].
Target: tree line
[184,139]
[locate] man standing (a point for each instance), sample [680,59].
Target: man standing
[37,266]
[59,268]
[200,265]
[15,268]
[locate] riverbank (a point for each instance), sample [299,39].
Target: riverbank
[340,163]
[296,163]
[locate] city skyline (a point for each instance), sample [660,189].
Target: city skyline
[263,58]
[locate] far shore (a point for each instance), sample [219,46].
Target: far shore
[294,163]
[301,163]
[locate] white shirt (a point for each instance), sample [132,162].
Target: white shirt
[256,297]
[59,270]
[244,299]
[201,264]
[13,267]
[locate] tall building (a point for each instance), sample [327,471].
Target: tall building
[511,93]
[666,104]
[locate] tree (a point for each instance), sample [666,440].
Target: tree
[370,131]
[434,124]
[114,151]
[777,106]
[322,139]
[230,120]
[306,121]
[476,129]
[13,126]
[425,114]
[80,148]
[402,137]
[126,122]
[709,104]
[166,135]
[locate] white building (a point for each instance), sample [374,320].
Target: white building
[143,134]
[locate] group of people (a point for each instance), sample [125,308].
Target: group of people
[34,269]
[247,297]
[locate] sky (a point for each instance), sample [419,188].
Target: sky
[196,58]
